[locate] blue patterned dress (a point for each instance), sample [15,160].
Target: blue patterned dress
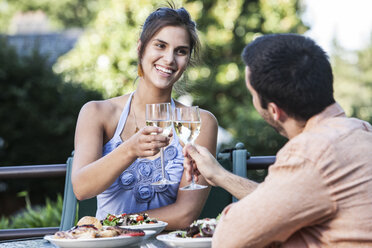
[132,191]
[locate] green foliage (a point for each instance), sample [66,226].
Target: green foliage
[353,81]
[4,222]
[109,49]
[38,110]
[46,216]
[61,13]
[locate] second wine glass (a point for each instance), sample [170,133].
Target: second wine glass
[187,123]
[159,115]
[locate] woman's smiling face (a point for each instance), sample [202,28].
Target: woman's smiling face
[166,56]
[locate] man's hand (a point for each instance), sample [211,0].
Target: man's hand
[200,161]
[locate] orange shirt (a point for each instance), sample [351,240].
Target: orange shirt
[317,194]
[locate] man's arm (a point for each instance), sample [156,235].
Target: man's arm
[214,173]
[238,186]
[292,197]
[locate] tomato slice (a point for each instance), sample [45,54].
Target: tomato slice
[133,234]
[140,218]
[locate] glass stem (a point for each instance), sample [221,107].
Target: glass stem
[162,162]
[192,171]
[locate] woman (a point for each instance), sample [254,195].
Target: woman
[116,154]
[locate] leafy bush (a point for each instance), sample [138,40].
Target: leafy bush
[4,222]
[38,113]
[41,216]
[38,110]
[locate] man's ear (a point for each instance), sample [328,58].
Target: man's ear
[276,112]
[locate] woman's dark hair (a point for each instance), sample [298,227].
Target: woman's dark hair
[292,71]
[170,16]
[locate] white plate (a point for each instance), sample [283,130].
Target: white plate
[98,242]
[172,240]
[158,227]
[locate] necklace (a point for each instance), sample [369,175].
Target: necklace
[134,114]
[135,121]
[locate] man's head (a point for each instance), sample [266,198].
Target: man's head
[290,71]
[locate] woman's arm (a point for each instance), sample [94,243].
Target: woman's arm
[190,203]
[92,173]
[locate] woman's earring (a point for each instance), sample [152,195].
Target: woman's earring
[140,72]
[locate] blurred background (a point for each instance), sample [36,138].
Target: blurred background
[57,55]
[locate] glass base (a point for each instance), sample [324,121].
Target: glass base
[193,186]
[163,182]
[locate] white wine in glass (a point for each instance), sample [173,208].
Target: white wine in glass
[187,131]
[159,115]
[165,125]
[186,122]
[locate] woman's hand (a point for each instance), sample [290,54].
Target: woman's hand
[147,141]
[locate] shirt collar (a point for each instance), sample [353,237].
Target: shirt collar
[333,110]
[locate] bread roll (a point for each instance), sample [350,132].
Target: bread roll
[90,220]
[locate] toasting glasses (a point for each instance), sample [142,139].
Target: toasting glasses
[159,115]
[186,121]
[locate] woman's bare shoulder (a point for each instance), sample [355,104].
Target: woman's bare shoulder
[103,109]
[207,116]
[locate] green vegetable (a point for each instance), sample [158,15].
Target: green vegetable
[218,217]
[111,220]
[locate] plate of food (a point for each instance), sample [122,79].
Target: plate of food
[89,232]
[135,221]
[198,234]
[174,241]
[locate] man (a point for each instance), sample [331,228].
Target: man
[318,193]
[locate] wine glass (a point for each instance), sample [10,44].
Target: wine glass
[186,121]
[159,115]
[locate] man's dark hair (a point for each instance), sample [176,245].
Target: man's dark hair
[292,71]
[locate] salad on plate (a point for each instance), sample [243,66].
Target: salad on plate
[197,235]
[198,229]
[128,219]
